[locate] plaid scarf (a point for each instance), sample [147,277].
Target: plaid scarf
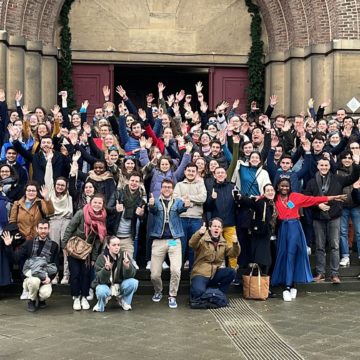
[46,250]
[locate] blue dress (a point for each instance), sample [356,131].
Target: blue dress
[292,262]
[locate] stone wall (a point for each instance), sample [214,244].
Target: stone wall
[312,46]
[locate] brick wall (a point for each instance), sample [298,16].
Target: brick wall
[295,23]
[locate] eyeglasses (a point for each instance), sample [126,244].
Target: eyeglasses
[130,157]
[27,190]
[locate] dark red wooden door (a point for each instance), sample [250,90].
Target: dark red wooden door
[228,84]
[88,83]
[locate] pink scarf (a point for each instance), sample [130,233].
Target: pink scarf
[94,222]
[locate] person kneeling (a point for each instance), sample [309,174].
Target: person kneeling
[114,276]
[210,249]
[40,258]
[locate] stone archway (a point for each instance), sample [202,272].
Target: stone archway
[311,43]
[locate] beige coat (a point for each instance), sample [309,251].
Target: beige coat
[27,219]
[209,258]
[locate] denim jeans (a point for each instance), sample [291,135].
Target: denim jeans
[127,289]
[222,280]
[327,230]
[190,226]
[354,213]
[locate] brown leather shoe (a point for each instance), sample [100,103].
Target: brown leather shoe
[319,278]
[335,279]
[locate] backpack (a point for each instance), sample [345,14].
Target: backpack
[212,298]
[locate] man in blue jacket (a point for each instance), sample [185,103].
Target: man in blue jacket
[166,233]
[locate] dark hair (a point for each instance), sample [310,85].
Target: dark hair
[123,169]
[13,173]
[217,219]
[168,158]
[41,108]
[11,148]
[286,156]
[98,195]
[323,158]
[281,179]
[135,173]
[215,142]
[189,165]
[135,122]
[63,179]
[108,238]
[345,153]
[167,181]
[101,161]
[220,167]
[280,116]
[43,221]
[245,143]
[47,136]
[266,185]
[319,136]
[32,183]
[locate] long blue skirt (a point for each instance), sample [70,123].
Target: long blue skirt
[292,262]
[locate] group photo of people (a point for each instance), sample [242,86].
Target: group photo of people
[88,200]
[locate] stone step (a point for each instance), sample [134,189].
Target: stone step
[146,288]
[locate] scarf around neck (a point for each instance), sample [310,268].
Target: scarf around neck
[46,250]
[94,222]
[323,183]
[130,201]
[106,175]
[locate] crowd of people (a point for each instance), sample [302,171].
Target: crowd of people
[84,199]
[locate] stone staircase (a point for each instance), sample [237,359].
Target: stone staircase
[348,276]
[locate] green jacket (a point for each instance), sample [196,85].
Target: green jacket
[103,276]
[76,228]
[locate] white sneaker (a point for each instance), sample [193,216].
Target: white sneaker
[77,303]
[136,266]
[55,280]
[287,295]
[84,304]
[24,295]
[345,261]
[65,280]
[148,265]
[308,249]
[124,305]
[96,308]
[186,265]
[91,295]
[165,265]
[293,293]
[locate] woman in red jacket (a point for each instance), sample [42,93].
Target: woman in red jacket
[292,262]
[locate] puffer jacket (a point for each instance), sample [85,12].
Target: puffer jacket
[208,257]
[38,266]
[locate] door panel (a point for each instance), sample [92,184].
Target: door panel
[228,84]
[88,83]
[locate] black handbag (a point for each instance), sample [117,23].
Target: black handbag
[259,227]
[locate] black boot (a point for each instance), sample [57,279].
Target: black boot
[42,304]
[31,306]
